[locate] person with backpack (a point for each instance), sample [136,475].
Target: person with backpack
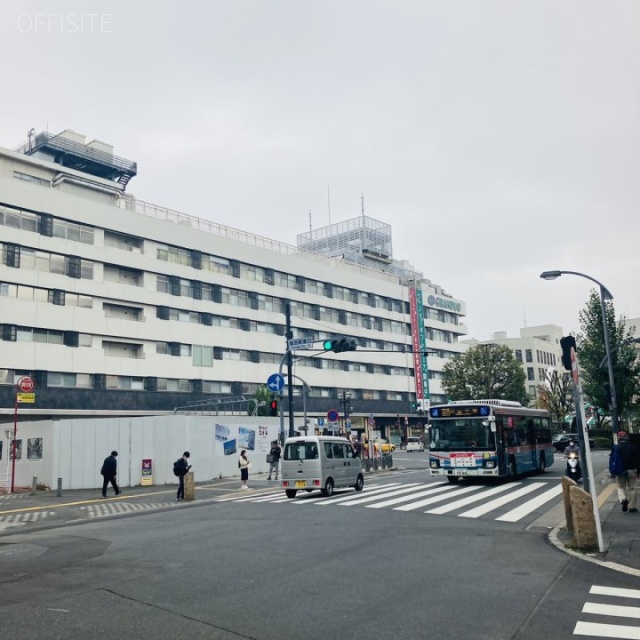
[244,465]
[623,465]
[275,453]
[180,468]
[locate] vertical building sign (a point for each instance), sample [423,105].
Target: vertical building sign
[419,339]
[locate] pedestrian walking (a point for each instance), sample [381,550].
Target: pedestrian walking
[181,467]
[244,464]
[275,453]
[109,472]
[628,478]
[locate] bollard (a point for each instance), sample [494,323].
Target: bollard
[189,487]
[568,514]
[34,486]
[584,527]
[59,493]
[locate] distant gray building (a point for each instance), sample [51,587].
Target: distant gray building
[537,348]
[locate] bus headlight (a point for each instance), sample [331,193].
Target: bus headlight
[490,464]
[434,464]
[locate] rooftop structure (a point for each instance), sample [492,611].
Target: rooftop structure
[71,149]
[362,240]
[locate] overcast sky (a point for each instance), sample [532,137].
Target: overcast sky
[499,139]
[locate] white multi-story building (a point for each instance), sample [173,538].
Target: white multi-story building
[537,348]
[115,305]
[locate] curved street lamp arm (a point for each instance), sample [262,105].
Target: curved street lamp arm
[552,275]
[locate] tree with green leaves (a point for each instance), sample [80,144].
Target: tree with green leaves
[486,371]
[555,395]
[262,398]
[590,347]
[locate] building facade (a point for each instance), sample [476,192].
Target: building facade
[114,305]
[537,349]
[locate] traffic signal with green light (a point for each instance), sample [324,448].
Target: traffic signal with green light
[338,345]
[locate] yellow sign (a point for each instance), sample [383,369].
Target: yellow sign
[26,398]
[147,481]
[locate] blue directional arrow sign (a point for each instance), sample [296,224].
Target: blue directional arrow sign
[275,382]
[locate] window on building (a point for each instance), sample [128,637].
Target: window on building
[530,373]
[528,355]
[518,355]
[202,356]
[123,241]
[122,349]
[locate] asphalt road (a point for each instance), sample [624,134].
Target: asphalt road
[292,570]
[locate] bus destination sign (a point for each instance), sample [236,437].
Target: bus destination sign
[461,411]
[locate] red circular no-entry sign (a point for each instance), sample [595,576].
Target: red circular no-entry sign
[25,384]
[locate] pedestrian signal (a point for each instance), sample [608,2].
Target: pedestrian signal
[567,343]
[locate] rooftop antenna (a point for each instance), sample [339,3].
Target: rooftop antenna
[362,203]
[329,203]
[30,136]
[310,226]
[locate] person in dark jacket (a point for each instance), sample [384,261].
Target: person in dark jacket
[109,472]
[182,466]
[627,480]
[275,453]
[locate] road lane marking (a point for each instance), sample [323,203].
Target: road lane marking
[527,507]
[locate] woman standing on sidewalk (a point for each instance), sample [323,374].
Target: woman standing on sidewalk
[244,465]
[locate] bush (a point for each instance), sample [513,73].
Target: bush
[603,442]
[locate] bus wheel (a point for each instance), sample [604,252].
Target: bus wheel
[453,479]
[542,464]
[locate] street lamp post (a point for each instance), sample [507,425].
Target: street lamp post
[605,294]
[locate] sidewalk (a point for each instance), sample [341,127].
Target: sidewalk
[620,532]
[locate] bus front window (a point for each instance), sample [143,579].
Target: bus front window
[463,433]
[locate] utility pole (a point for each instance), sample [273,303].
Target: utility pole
[289,336]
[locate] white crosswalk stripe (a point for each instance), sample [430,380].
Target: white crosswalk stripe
[430,498]
[622,608]
[115,508]
[17,519]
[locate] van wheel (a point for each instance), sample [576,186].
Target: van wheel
[291,493]
[359,483]
[328,488]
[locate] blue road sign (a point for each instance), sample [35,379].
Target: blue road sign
[332,415]
[275,382]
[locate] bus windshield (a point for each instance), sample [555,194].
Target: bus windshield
[463,433]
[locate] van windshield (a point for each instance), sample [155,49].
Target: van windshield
[301,451]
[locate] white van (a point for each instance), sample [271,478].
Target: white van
[414,444]
[319,462]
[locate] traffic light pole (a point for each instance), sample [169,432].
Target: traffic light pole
[289,336]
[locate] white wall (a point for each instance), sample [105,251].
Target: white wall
[74,449]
